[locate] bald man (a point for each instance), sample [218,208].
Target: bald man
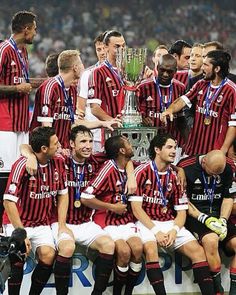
[210,192]
[157,93]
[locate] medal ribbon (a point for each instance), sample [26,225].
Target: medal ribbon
[42,174]
[67,99]
[208,100]
[78,180]
[164,105]
[22,61]
[114,72]
[161,188]
[209,190]
[123,179]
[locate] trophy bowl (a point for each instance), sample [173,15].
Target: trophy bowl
[131,63]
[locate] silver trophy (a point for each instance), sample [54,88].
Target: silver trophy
[131,63]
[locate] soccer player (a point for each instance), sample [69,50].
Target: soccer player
[207,47]
[81,166]
[83,90]
[180,49]
[55,100]
[51,64]
[158,52]
[215,98]
[160,209]
[29,202]
[109,187]
[156,94]
[210,192]
[195,64]
[105,82]
[195,70]
[14,93]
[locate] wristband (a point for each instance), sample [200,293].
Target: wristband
[155,230]
[176,227]
[224,221]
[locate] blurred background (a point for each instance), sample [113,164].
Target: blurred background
[71,24]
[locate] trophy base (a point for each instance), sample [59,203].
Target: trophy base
[139,138]
[131,121]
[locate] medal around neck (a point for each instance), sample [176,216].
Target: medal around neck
[207,121]
[77,204]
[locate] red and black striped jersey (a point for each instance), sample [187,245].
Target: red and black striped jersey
[36,195]
[14,108]
[104,88]
[73,171]
[183,77]
[150,105]
[50,107]
[204,138]
[148,193]
[108,187]
[196,190]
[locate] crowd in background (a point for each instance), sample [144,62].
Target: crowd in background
[74,24]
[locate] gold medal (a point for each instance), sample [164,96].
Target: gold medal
[77,204]
[164,210]
[207,121]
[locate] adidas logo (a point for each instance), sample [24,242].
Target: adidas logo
[108,79]
[149,98]
[200,92]
[32,178]
[13,63]
[118,183]
[197,181]
[148,182]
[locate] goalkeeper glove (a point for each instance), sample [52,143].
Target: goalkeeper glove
[213,223]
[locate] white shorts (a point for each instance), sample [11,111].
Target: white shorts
[85,234]
[122,232]
[183,237]
[38,235]
[9,148]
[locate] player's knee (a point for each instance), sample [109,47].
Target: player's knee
[124,254]
[66,248]
[107,246]
[151,252]
[137,250]
[210,243]
[46,254]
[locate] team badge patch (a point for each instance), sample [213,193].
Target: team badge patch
[91,92]
[219,99]
[45,110]
[12,188]
[90,168]
[56,176]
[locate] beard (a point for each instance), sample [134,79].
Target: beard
[210,77]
